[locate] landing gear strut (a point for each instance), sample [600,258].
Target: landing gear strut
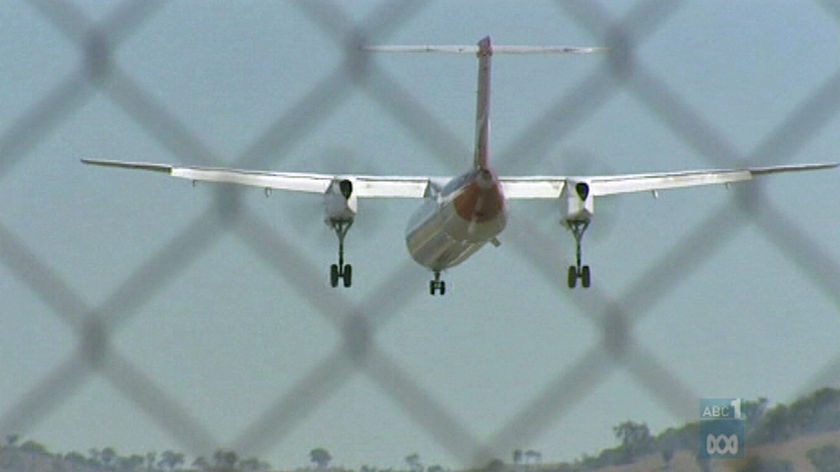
[578,271]
[437,285]
[341,270]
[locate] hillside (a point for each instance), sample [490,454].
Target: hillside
[793,453]
[804,436]
[796,437]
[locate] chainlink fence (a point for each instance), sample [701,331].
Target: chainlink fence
[357,322]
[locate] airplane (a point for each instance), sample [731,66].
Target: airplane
[461,214]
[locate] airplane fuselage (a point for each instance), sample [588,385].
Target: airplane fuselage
[455,222]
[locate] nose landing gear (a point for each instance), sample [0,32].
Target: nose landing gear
[437,285]
[578,271]
[341,270]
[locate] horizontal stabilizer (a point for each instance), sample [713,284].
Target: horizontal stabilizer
[473,49]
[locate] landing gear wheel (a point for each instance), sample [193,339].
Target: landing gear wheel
[334,275]
[585,276]
[348,274]
[436,285]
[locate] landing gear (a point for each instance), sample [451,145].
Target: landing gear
[578,271]
[341,270]
[437,285]
[338,272]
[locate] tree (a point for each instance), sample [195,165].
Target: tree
[224,460]
[320,457]
[33,447]
[132,463]
[517,456]
[635,438]
[170,460]
[414,464]
[107,456]
[75,458]
[201,463]
[12,439]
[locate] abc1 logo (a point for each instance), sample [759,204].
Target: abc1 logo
[722,439]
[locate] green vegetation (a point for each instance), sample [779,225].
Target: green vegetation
[34,457]
[813,415]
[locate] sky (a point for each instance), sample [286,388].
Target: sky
[144,313]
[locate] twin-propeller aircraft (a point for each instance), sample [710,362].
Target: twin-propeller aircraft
[461,214]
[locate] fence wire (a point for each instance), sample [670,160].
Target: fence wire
[618,349]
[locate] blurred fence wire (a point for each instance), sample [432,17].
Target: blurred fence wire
[98,73]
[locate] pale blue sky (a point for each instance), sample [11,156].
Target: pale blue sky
[229,333]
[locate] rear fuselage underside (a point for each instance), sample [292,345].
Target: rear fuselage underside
[455,223]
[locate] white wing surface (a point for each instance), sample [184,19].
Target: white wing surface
[365,186]
[527,187]
[610,185]
[552,186]
[532,187]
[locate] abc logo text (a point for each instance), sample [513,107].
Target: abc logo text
[721,444]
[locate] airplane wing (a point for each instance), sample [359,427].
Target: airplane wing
[535,187]
[611,185]
[532,187]
[365,186]
[552,186]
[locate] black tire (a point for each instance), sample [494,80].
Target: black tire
[348,275]
[572,276]
[585,276]
[442,288]
[334,275]
[432,288]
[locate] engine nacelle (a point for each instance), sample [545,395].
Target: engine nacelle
[340,202]
[580,203]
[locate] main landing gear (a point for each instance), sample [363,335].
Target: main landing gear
[341,271]
[577,271]
[437,285]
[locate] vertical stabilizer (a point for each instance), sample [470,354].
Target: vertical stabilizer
[482,106]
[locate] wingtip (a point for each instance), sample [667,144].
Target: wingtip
[793,168]
[97,162]
[164,168]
